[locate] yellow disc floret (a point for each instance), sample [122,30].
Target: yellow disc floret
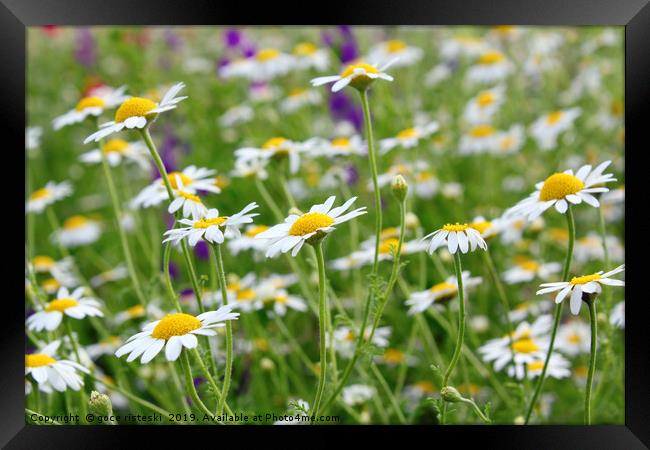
[274,143]
[492,57]
[525,346]
[585,279]
[393,356]
[191,197]
[267,54]
[395,46]
[535,366]
[481,226]
[559,185]
[340,142]
[486,98]
[75,222]
[245,295]
[205,223]
[40,194]
[388,245]
[90,102]
[172,179]
[310,223]
[482,131]
[554,117]
[115,146]
[456,227]
[305,49]
[134,107]
[61,304]
[407,134]
[255,230]
[349,70]
[178,324]
[42,262]
[38,360]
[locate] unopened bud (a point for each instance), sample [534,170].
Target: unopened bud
[399,187]
[451,394]
[100,404]
[267,364]
[411,221]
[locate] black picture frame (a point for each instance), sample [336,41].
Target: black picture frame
[16,15]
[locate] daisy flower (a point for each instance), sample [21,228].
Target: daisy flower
[106,346]
[440,293]
[308,227]
[33,138]
[587,284]
[212,227]
[77,230]
[573,338]
[461,46]
[479,139]
[185,201]
[357,394]
[117,273]
[395,357]
[267,64]
[277,147]
[340,146]
[72,304]
[138,112]
[47,371]
[282,300]
[546,129]
[510,141]
[45,196]
[91,106]
[236,115]
[560,189]
[558,367]
[359,76]
[403,54]
[457,237]
[345,339]
[306,56]
[62,270]
[116,151]
[408,138]
[524,309]
[617,315]
[247,240]
[590,247]
[526,269]
[251,167]
[298,98]
[482,108]
[174,331]
[492,66]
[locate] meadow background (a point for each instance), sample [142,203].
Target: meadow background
[574,67]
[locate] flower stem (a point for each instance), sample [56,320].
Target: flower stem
[558,312]
[502,295]
[461,320]
[229,345]
[592,360]
[189,380]
[322,306]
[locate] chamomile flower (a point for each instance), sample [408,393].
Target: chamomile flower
[251,168]
[236,115]
[106,346]
[345,339]
[306,56]
[45,196]
[62,270]
[48,371]
[558,367]
[212,227]
[587,284]
[440,293]
[573,338]
[299,98]
[457,237]
[72,304]
[590,248]
[482,108]
[462,46]
[529,308]
[509,141]
[359,76]
[282,301]
[526,269]
[395,357]
[617,315]
[547,128]
[173,332]
[560,189]
[33,138]
[409,137]
[308,227]
[268,63]
[116,151]
[247,240]
[479,139]
[491,67]
[119,272]
[187,202]
[277,147]
[138,112]
[77,230]
[405,55]
[340,146]
[91,106]
[357,394]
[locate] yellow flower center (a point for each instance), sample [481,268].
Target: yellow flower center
[559,234]
[172,179]
[506,143]
[349,337]
[61,304]
[407,134]
[388,245]
[504,29]
[525,345]
[581,371]
[423,176]
[188,196]
[486,98]
[389,232]
[42,262]
[134,107]
[38,360]
[492,57]
[115,146]
[554,117]
[282,299]
[305,49]
[481,227]
[177,324]
[616,108]
[40,193]
[75,222]
[535,366]
[90,102]
[443,287]
[425,386]
[51,285]
[527,264]
[261,344]
[341,142]
[395,46]
[585,279]
[221,181]
[205,223]
[254,231]
[267,54]
[245,295]
[482,131]
[456,227]
[393,356]
[559,185]
[349,70]
[135,311]
[309,223]
[574,339]
[275,144]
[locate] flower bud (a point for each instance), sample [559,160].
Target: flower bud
[411,221]
[267,364]
[100,404]
[451,394]
[399,187]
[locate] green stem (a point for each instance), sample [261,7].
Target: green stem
[322,305]
[210,379]
[131,396]
[592,360]
[461,320]
[229,345]
[168,280]
[502,295]
[388,392]
[189,381]
[558,313]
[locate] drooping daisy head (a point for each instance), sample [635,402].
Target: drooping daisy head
[360,76]
[173,332]
[138,112]
[72,304]
[577,286]
[211,227]
[45,196]
[562,189]
[50,372]
[92,105]
[457,236]
[309,227]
